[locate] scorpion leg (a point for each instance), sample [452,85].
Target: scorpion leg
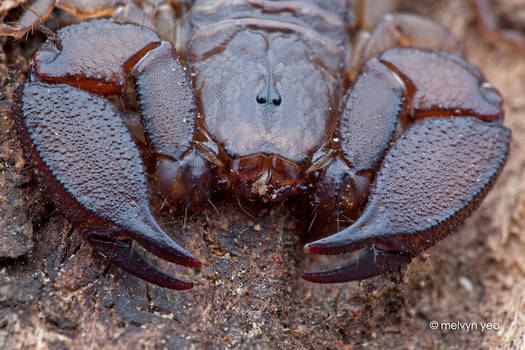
[33,16]
[106,193]
[91,8]
[492,32]
[395,30]
[123,10]
[436,172]
[149,15]
[401,29]
[369,13]
[41,9]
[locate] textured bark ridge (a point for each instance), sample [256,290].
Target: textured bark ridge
[55,293]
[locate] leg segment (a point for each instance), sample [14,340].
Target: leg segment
[33,16]
[435,173]
[492,32]
[400,29]
[41,9]
[370,12]
[154,15]
[91,8]
[409,30]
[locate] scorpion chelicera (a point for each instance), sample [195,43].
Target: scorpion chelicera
[270,100]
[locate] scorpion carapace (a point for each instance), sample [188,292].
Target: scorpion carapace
[259,101]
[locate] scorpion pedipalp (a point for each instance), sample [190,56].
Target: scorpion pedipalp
[431,179]
[99,182]
[122,254]
[372,262]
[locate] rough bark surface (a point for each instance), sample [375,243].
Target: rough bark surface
[55,293]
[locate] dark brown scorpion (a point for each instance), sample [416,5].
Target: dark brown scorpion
[260,99]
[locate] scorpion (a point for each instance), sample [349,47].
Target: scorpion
[351,112]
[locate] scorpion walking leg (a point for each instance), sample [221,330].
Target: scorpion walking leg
[41,9]
[492,32]
[394,30]
[369,13]
[90,8]
[436,172]
[33,16]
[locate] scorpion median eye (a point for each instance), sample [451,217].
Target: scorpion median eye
[261,99]
[269,95]
[275,96]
